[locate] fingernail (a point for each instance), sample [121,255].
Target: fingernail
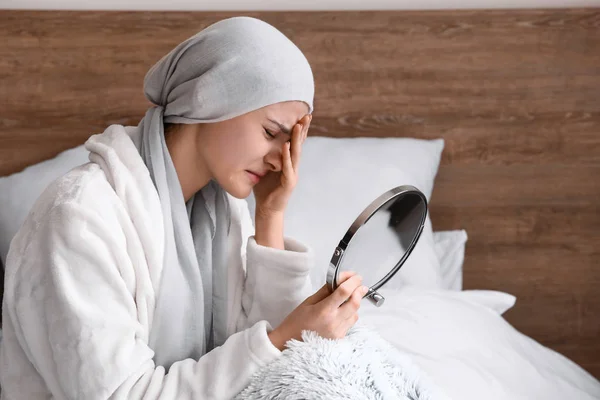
[364,289]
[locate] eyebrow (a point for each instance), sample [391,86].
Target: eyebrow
[282,127]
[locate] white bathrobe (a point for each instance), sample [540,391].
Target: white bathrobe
[81,281]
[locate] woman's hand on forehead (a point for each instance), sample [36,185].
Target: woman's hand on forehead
[274,190]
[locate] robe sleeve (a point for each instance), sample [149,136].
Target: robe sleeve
[276,280]
[72,332]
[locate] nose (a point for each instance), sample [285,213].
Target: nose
[274,159]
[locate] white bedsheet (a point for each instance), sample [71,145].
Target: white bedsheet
[469,350]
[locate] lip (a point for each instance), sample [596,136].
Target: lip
[254,177]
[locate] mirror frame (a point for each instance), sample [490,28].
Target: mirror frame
[363,218]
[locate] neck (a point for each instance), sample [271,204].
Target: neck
[191,172]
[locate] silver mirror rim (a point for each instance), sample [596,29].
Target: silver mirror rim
[363,218]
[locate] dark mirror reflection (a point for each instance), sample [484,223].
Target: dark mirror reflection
[378,245]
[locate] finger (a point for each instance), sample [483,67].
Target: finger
[307,127]
[305,132]
[325,290]
[319,295]
[344,291]
[345,275]
[344,325]
[296,145]
[350,307]
[288,167]
[349,322]
[305,121]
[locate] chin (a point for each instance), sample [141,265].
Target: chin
[237,189]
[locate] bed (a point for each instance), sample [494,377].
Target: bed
[513,93]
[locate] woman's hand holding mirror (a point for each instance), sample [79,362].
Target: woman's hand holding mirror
[330,314]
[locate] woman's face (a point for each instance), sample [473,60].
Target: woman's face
[252,142]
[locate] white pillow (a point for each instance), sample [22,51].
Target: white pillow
[470,351]
[338,178]
[450,250]
[19,191]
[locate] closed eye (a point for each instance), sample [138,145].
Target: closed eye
[269,133]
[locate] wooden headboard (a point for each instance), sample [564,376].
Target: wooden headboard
[514,93]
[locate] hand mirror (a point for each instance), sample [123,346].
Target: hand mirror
[380,240]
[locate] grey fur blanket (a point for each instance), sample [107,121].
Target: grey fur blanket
[360,366]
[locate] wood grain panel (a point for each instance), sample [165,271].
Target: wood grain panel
[525,226]
[514,93]
[526,79]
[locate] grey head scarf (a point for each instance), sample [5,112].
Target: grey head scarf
[232,67]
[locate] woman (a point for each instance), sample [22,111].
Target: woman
[139,274]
